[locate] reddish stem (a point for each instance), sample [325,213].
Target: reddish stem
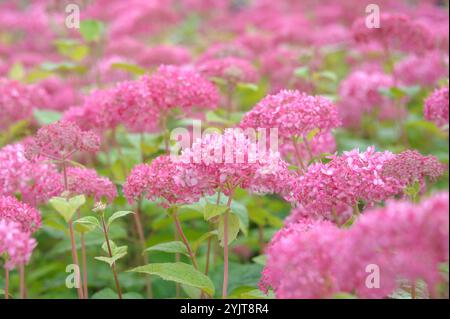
[113,266]
[6,283]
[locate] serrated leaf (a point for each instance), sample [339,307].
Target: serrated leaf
[118,215]
[233,228]
[212,210]
[77,201]
[87,224]
[173,247]
[179,272]
[63,207]
[112,245]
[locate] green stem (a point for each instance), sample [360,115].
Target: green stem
[113,266]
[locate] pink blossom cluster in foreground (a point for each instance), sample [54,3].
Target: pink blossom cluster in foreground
[332,189]
[217,162]
[17,223]
[316,259]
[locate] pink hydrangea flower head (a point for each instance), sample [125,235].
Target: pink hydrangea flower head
[411,166]
[171,86]
[300,261]
[225,50]
[28,218]
[315,259]
[234,159]
[293,113]
[405,240]
[88,182]
[36,182]
[17,101]
[60,140]
[97,112]
[17,244]
[332,188]
[159,180]
[436,107]
[134,107]
[230,69]
[322,143]
[360,95]
[163,54]
[423,70]
[137,182]
[397,31]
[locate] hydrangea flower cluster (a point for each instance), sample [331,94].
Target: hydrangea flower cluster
[217,162]
[27,218]
[397,31]
[16,244]
[423,70]
[234,159]
[317,259]
[17,101]
[36,182]
[171,86]
[88,182]
[159,180]
[60,140]
[360,95]
[232,70]
[436,107]
[410,166]
[331,189]
[293,113]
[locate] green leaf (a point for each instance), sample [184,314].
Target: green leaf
[213,210]
[311,134]
[256,294]
[179,272]
[196,244]
[91,30]
[17,71]
[302,72]
[132,68]
[67,208]
[72,49]
[117,252]
[87,224]
[45,117]
[76,202]
[117,215]
[233,228]
[327,75]
[173,247]
[344,295]
[260,259]
[108,293]
[65,66]
[248,86]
